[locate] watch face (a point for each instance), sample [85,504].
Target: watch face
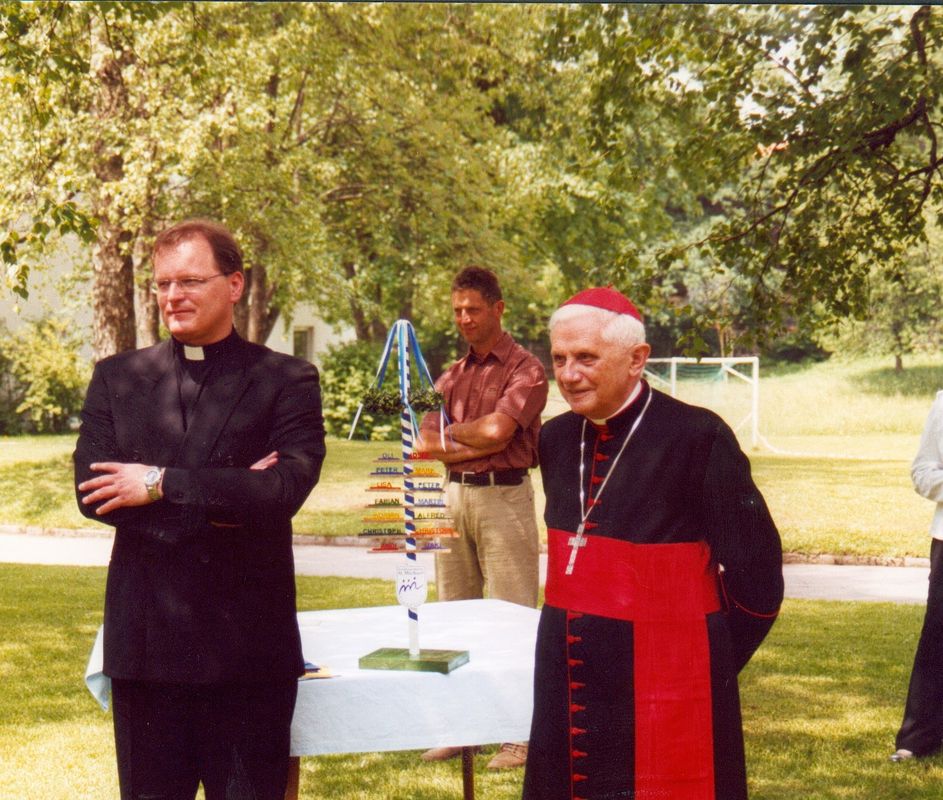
[151,477]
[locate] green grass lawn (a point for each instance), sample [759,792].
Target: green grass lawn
[821,700]
[864,508]
[834,466]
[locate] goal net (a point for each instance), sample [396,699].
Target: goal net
[728,386]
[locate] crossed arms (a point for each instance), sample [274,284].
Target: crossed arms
[465,441]
[111,488]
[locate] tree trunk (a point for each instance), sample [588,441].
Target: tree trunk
[361,324]
[252,318]
[721,339]
[258,316]
[147,315]
[241,313]
[261,317]
[897,333]
[146,311]
[112,266]
[113,328]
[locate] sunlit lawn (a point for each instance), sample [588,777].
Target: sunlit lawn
[16,449]
[834,461]
[846,507]
[861,507]
[822,700]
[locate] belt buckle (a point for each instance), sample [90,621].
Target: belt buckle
[487,478]
[470,482]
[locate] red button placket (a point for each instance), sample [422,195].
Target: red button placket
[576,707]
[595,481]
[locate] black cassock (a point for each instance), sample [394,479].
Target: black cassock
[638,650]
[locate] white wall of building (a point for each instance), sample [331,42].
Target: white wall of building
[53,291]
[308,337]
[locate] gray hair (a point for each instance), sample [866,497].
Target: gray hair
[621,329]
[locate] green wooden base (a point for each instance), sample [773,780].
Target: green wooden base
[427,661]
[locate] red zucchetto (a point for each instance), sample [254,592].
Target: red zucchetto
[605,297]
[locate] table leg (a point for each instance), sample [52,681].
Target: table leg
[294,775]
[468,773]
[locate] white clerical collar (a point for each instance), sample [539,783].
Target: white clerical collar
[635,393]
[191,353]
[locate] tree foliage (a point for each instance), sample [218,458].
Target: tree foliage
[350,148]
[903,312]
[738,170]
[793,149]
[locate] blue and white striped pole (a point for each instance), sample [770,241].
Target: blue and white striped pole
[409,513]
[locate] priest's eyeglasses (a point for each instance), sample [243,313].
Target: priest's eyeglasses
[185,285]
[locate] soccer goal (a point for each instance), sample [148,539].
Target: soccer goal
[728,386]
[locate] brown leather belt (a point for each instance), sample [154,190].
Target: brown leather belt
[500,477]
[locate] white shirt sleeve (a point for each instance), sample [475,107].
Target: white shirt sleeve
[927,468]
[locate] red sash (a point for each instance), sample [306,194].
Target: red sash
[665,590]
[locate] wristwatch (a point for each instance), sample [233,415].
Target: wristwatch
[152,482]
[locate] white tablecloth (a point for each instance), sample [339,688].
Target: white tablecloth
[489,699]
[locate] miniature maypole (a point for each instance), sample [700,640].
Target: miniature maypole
[411,586]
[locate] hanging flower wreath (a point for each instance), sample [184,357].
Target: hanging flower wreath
[389,403]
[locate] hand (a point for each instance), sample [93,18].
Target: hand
[122,486]
[266,461]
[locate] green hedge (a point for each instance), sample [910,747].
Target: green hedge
[347,372]
[43,378]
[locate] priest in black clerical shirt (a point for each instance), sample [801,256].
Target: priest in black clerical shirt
[664,575]
[200,450]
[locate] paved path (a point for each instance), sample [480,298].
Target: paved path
[847,582]
[812,581]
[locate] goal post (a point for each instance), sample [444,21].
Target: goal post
[741,408]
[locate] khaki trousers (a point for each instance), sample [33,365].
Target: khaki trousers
[496,553]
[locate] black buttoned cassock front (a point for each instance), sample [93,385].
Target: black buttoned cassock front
[682,479]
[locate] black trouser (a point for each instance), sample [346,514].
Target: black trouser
[233,738]
[922,729]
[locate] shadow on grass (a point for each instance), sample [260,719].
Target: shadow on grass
[36,491]
[779,369]
[403,776]
[919,381]
[823,700]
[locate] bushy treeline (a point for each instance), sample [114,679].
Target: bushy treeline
[347,372]
[42,378]
[348,376]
